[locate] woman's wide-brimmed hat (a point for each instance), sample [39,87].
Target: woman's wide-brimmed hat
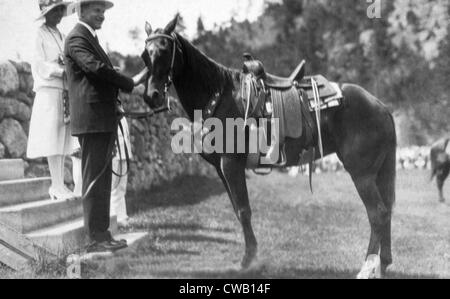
[74,7]
[47,5]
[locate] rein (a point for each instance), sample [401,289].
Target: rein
[143,115]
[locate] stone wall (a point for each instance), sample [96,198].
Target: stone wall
[16,100]
[154,162]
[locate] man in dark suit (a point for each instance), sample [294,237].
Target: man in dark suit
[94,85]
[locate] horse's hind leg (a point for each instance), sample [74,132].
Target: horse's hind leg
[441,176]
[378,217]
[232,173]
[386,187]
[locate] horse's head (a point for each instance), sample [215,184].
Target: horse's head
[159,57]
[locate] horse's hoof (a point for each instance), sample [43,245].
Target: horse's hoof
[246,263]
[384,270]
[248,260]
[371,268]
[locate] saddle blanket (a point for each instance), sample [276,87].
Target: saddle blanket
[328,102]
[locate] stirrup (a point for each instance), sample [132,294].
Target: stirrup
[280,163]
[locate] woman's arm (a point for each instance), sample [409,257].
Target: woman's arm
[45,68]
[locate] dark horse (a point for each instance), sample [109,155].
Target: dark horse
[362,134]
[440,163]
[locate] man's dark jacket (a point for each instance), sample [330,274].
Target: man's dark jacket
[93,84]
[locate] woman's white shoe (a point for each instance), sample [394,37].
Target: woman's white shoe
[60,195]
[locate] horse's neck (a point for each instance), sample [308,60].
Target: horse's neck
[200,79]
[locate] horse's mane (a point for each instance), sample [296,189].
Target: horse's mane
[201,73]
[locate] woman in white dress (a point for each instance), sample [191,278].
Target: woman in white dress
[50,134]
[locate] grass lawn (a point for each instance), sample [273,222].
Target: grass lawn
[193,232]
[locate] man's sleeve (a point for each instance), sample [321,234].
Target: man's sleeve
[81,52]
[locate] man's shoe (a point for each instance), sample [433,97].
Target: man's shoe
[106,246]
[120,242]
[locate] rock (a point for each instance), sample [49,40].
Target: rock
[26,82]
[139,146]
[24,98]
[13,138]
[26,67]
[9,78]
[21,67]
[37,170]
[26,127]
[12,108]
[2,151]
[138,126]
[2,111]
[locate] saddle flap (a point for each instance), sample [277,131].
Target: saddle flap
[287,108]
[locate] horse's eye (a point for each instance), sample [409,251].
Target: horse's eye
[164,43]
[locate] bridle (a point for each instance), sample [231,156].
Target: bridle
[167,84]
[169,80]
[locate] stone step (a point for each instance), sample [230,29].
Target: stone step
[13,259]
[18,241]
[33,216]
[14,192]
[12,169]
[66,237]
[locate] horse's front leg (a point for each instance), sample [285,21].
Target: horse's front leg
[232,172]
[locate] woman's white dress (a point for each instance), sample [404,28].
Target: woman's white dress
[48,135]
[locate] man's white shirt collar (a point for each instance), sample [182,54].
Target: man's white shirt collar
[92,31]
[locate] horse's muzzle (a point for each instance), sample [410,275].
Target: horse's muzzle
[154,99]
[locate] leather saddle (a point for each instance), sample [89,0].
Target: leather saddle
[297,79]
[287,106]
[257,69]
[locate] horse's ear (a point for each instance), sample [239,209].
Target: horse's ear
[172,25]
[148,28]
[248,57]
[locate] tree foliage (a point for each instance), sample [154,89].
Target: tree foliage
[402,57]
